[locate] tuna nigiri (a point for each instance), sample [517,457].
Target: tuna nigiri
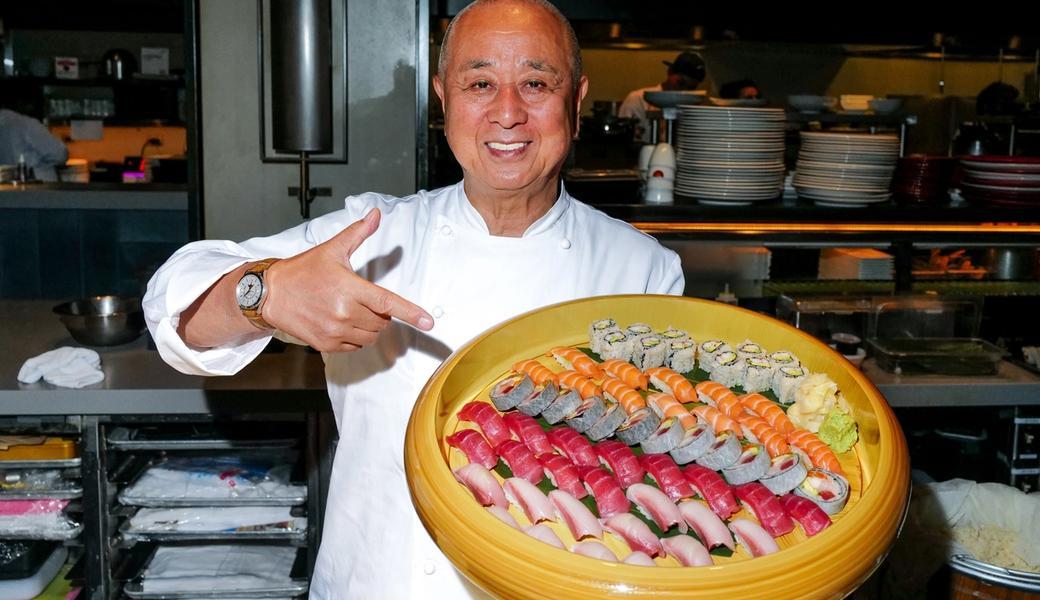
[475,447]
[706,524]
[766,508]
[579,519]
[624,371]
[520,460]
[713,489]
[670,382]
[528,431]
[563,474]
[489,421]
[810,516]
[573,445]
[718,421]
[753,538]
[529,499]
[621,462]
[610,499]
[719,396]
[572,358]
[688,551]
[768,410]
[656,506]
[482,484]
[636,533]
[663,470]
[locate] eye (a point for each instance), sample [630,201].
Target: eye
[480,85]
[535,84]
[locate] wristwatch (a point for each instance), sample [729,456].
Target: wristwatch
[251,292]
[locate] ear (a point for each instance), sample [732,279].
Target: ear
[583,90]
[438,88]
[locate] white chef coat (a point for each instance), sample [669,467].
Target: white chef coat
[434,249]
[634,106]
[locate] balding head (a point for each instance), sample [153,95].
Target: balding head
[566,33]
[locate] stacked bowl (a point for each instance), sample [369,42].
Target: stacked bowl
[1012,181]
[846,169]
[730,155]
[923,179]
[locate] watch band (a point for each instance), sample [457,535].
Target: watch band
[254,314]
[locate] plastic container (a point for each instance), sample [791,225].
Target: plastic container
[52,448]
[966,357]
[824,316]
[22,558]
[30,587]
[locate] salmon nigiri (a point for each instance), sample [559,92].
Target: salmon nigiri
[572,358]
[718,421]
[760,430]
[768,410]
[720,397]
[574,380]
[628,398]
[673,383]
[819,453]
[627,373]
[538,372]
[665,405]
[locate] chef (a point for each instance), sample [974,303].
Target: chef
[686,72]
[387,287]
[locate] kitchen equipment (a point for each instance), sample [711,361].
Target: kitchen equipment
[823,316]
[1010,263]
[505,562]
[975,139]
[808,104]
[855,103]
[102,320]
[119,64]
[966,357]
[925,316]
[885,106]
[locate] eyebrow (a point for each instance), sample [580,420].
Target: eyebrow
[537,65]
[477,63]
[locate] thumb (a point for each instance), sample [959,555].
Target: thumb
[346,242]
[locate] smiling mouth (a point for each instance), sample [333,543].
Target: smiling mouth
[503,147]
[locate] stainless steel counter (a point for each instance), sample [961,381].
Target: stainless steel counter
[97,196]
[1011,385]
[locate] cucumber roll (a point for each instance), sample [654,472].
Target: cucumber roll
[607,424]
[649,352]
[785,473]
[637,331]
[539,400]
[723,453]
[828,490]
[681,355]
[695,443]
[588,412]
[727,369]
[560,408]
[639,426]
[616,344]
[786,381]
[747,349]
[597,331]
[707,352]
[673,335]
[758,374]
[752,464]
[783,358]
[511,391]
[668,435]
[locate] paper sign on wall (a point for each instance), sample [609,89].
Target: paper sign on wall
[155,61]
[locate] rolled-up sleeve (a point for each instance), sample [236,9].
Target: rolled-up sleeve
[668,276]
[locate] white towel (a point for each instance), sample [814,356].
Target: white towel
[65,367]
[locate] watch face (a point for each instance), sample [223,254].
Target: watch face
[249,290]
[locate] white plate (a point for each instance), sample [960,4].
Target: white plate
[989,166]
[864,137]
[1023,191]
[839,195]
[837,166]
[707,108]
[1002,176]
[854,159]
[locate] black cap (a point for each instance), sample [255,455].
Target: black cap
[689,64]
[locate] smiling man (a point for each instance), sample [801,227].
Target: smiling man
[357,284]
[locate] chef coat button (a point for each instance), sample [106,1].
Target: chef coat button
[438,312]
[429,568]
[446,230]
[565,244]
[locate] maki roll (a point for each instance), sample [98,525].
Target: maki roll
[752,464]
[682,355]
[648,352]
[597,331]
[785,473]
[727,369]
[758,374]
[612,418]
[668,435]
[616,344]
[695,443]
[747,349]
[786,381]
[674,335]
[586,414]
[723,453]
[827,489]
[783,358]
[538,401]
[564,405]
[707,352]
[640,425]
[511,391]
[637,331]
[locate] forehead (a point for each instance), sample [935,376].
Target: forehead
[505,33]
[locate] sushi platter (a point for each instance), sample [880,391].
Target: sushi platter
[656,446]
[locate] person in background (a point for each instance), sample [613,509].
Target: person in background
[25,137]
[741,89]
[686,72]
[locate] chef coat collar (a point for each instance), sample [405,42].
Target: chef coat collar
[463,211]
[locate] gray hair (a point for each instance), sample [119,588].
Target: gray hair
[572,39]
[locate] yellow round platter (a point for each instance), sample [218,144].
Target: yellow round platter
[508,564]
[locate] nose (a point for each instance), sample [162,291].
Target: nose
[508,108]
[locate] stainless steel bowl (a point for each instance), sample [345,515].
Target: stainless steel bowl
[102,320]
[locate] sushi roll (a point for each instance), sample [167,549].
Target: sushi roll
[727,369]
[752,465]
[783,358]
[586,414]
[758,374]
[637,331]
[538,401]
[616,344]
[639,426]
[695,444]
[511,391]
[612,418]
[707,351]
[786,381]
[682,355]
[673,335]
[785,473]
[564,405]
[724,452]
[668,435]
[648,352]
[827,489]
[747,349]
[597,331]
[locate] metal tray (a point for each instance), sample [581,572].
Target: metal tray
[995,575]
[123,438]
[298,588]
[966,357]
[146,535]
[40,464]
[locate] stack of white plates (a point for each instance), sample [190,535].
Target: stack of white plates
[855,263]
[730,155]
[846,169]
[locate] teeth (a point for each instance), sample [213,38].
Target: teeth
[505,147]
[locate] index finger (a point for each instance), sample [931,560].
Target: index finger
[382,301]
